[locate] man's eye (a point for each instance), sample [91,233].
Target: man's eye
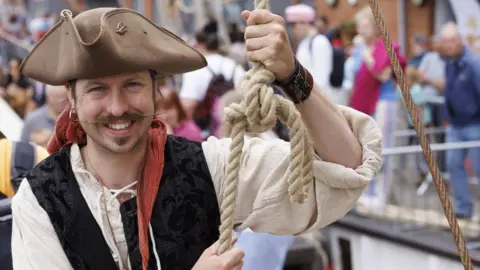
[96,89]
[133,84]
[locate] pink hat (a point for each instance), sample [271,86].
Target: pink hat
[300,13]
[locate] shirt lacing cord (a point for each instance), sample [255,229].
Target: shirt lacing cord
[109,237]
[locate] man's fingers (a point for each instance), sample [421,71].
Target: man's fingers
[260,16]
[238,266]
[245,14]
[212,250]
[232,257]
[260,55]
[254,44]
[257,31]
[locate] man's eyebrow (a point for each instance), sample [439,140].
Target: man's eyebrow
[135,77]
[103,83]
[94,83]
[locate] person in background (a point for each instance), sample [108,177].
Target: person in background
[419,97]
[201,87]
[171,112]
[40,124]
[16,159]
[17,89]
[431,74]
[237,50]
[462,107]
[321,23]
[314,51]
[350,70]
[419,45]
[374,93]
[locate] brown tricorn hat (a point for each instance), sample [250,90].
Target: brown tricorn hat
[107,41]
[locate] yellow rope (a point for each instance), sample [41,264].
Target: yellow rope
[419,128]
[256,114]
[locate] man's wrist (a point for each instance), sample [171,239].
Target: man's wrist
[298,85]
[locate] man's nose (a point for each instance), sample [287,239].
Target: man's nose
[118,104]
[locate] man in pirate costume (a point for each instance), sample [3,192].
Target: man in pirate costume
[118,193]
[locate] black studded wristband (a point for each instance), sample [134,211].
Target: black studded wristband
[299,85]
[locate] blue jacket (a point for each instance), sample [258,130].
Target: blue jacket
[462,89]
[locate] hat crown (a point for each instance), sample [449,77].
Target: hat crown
[89,23]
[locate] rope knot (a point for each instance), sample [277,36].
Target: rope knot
[258,113]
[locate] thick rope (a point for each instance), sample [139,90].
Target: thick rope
[418,125]
[257,113]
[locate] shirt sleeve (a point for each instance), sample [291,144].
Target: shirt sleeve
[35,244]
[263,203]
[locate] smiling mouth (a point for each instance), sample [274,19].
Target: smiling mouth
[119,126]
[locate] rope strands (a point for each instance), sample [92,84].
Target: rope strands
[256,114]
[427,151]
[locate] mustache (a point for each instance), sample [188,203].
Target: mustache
[129,116]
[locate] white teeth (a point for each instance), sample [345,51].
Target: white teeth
[119,126]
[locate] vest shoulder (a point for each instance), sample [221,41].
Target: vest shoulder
[179,141]
[53,164]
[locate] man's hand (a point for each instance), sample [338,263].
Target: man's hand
[230,260]
[267,42]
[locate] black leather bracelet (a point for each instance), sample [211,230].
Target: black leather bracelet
[299,85]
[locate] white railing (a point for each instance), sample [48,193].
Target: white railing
[403,150]
[402,196]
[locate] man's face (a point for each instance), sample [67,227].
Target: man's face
[14,67]
[451,44]
[117,111]
[366,29]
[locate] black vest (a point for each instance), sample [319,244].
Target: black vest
[185,218]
